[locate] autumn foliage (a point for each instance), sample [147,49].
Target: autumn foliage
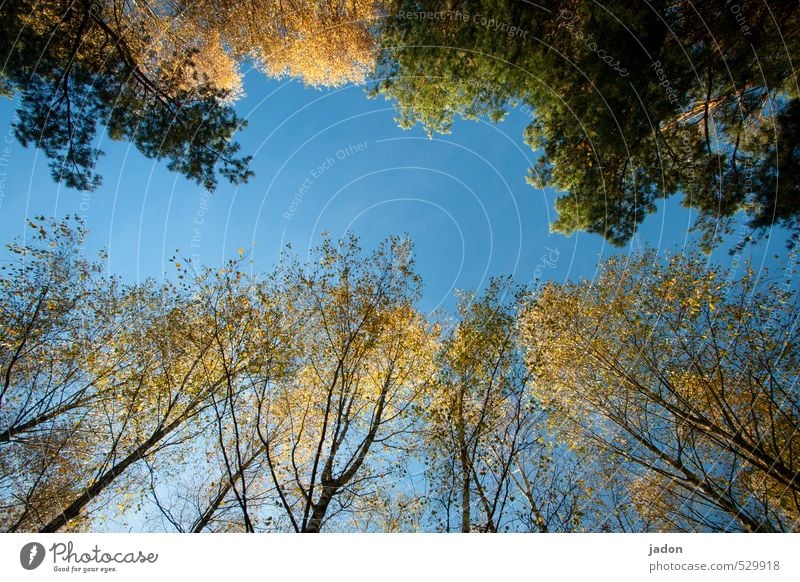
[660,396]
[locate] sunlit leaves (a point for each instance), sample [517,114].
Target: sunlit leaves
[659,396]
[684,370]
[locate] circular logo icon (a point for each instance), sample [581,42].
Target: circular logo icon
[31,555]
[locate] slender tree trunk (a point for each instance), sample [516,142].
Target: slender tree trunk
[466,484]
[73,509]
[320,508]
[212,508]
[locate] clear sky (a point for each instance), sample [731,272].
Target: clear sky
[333,161]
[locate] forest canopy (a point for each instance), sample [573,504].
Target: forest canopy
[659,393]
[629,106]
[164,74]
[630,103]
[661,396]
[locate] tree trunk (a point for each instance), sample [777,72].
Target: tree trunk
[465,492]
[320,508]
[73,509]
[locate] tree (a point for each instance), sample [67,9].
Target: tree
[159,399]
[99,378]
[74,65]
[322,43]
[286,383]
[477,379]
[687,376]
[49,321]
[441,66]
[254,336]
[494,462]
[630,106]
[364,364]
[57,325]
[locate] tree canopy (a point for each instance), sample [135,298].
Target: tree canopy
[164,74]
[630,104]
[661,396]
[687,373]
[76,66]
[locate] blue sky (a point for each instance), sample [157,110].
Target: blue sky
[334,161]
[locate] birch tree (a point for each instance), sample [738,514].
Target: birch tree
[688,375]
